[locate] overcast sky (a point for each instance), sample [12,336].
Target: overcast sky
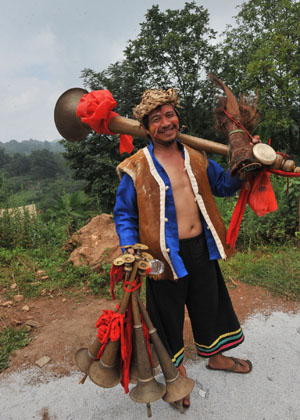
[44,45]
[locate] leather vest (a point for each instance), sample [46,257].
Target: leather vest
[151,189]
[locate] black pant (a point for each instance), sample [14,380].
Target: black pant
[203,291]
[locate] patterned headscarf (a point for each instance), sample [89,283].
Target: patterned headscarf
[152,98]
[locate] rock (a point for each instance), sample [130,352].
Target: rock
[7,303]
[26,308]
[33,323]
[16,322]
[202,393]
[43,361]
[95,243]
[18,298]
[64,300]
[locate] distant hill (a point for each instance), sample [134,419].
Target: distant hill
[27,146]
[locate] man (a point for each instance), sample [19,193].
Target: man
[165,201]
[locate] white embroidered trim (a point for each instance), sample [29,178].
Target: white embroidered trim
[162,195]
[201,205]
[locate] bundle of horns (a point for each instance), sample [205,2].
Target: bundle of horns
[104,362]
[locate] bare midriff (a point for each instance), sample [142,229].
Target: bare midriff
[187,211]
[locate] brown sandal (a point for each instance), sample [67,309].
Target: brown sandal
[234,367]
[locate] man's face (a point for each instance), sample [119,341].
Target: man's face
[163,125]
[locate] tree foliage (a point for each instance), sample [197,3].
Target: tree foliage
[262,54]
[176,48]
[172,49]
[94,159]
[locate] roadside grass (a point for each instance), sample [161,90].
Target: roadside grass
[41,271]
[274,268]
[46,270]
[10,340]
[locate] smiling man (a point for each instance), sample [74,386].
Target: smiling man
[165,200]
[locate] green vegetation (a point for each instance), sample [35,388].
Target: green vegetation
[277,269]
[174,48]
[10,340]
[32,256]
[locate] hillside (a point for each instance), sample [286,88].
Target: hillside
[28,146]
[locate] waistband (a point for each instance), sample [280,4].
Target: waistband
[193,239]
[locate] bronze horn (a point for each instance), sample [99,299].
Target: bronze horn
[242,159]
[106,372]
[147,389]
[71,128]
[66,121]
[178,387]
[85,356]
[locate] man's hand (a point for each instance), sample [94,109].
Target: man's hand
[255,139]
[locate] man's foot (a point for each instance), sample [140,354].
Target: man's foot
[229,364]
[186,400]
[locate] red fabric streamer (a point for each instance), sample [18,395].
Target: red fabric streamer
[126,348]
[262,198]
[95,109]
[116,275]
[238,213]
[115,326]
[257,191]
[109,327]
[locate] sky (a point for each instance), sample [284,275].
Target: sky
[45,44]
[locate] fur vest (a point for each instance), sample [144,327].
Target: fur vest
[151,191]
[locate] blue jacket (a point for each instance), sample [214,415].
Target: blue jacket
[126,211]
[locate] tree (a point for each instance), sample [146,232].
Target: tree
[262,54]
[18,165]
[4,158]
[174,49]
[94,159]
[43,164]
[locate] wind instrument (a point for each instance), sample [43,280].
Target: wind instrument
[147,389]
[178,387]
[106,372]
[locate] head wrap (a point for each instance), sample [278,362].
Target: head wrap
[152,98]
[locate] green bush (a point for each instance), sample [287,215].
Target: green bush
[277,227]
[29,231]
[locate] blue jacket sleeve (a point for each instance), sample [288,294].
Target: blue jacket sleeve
[126,212]
[222,184]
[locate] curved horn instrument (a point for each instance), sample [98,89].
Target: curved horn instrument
[85,356]
[66,121]
[147,389]
[243,156]
[71,128]
[178,387]
[106,372]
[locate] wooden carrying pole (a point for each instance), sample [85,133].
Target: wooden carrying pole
[122,125]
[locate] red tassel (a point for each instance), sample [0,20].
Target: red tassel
[116,275]
[95,109]
[238,213]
